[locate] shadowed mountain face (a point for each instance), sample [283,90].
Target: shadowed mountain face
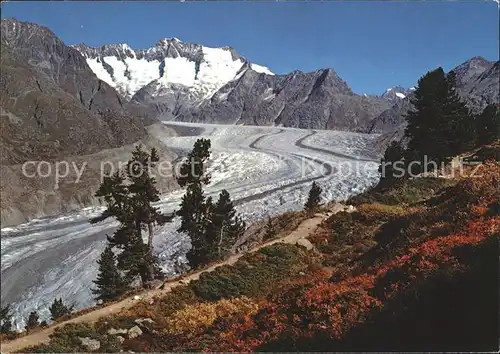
[318,100]
[53,105]
[477,83]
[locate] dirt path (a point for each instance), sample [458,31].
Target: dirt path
[302,231]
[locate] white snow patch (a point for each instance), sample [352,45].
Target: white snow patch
[268,94]
[100,72]
[400,95]
[131,74]
[216,69]
[261,69]
[179,71]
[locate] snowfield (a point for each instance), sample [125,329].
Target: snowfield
[129,75]
[267,170]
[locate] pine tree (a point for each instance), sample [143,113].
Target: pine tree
[270,230]
[226,227]
[58,309]
[143,188]
[463,134]
[439,127]
[129,196]
[488,125]
[5,320]
[195,209]
[110,285]
[390,163]
[32,322]
[314,199]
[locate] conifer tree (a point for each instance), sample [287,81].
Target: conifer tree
[32,322]
[390,163]
[109,282]
[5,319]
[439,125]
[314,199]
[58,309]
[226,227]
[488,125]
[195,209]
[129,196]
[463,134]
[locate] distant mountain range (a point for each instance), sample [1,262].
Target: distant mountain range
[60,102]
[397,93]
[191,82]
[59,99]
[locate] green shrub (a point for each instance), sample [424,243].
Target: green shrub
[65,339]
[408,192]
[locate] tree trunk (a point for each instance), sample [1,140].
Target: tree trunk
[150,236]
[220,241]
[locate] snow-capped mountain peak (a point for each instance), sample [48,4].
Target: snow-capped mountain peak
[396,93]
[201,70]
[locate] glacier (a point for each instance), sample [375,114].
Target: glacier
[267,170]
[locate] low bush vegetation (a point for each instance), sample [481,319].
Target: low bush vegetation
[252,274]
[388,277]
[405,192]
[193,319]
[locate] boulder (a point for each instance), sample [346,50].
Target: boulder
[113,331]
[305,243]
[134,332]
[90,344]
[140,321]
[350,208]
[120,339]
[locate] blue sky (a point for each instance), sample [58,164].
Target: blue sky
[371,45]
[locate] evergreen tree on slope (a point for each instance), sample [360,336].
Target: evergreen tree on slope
[32,322]
[195,209]
[439,126]
[488,125]
[390,163]
[58,309]
[5,319]
[314,198]
[110,285]
[129,196]
[226,226]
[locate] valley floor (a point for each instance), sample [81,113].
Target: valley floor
[267,170]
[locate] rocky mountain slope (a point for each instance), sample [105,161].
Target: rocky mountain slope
[53,105]
[319,100]
[53,108]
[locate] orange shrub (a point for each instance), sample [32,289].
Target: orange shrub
[195,318]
